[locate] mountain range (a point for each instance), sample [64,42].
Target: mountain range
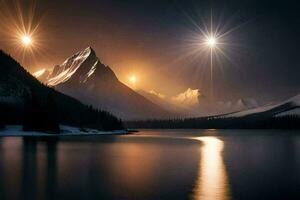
[283,115]
[290,107]
[84,77]
[191,103]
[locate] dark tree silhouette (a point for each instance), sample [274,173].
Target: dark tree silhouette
[1,117]
[285,122]
[39,107]
[51,114]
[39,116]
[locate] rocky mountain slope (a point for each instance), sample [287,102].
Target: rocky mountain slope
[289,107]
[16,84]
[84,77]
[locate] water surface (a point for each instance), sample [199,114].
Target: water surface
[154,164]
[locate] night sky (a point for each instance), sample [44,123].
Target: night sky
[152,39]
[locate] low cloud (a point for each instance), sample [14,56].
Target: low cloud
[194,103]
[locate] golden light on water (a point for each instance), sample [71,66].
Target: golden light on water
[212,182]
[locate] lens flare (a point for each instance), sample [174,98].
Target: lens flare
[26,40]
[206,49]
[22,32]
[211,41]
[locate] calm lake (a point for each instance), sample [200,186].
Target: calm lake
[154,164]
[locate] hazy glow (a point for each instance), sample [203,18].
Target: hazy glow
[133,79]
[39,73]
[212,183]
[187,99]
[160,95]
[26,40]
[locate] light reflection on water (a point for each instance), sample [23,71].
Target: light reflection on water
[212,181]
[182,164]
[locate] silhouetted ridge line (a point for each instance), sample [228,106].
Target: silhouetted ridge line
[21,95]
[284,122]
[84,77]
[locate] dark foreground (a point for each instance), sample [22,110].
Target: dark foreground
[174,164]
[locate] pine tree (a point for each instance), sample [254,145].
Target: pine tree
[39,117]
[52,123]
[1,117]
[28,115]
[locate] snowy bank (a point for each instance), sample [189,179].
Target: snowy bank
[65,131]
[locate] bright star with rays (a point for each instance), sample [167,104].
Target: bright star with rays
[26,40]
[207,46]
[211,41]
[21,28]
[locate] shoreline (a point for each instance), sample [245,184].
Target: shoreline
[16,131]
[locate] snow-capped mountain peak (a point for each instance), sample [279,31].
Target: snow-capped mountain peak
[79,68]
[85,77]
[244,104]
[91,71]
[294,100]
[62,73]
[288,107]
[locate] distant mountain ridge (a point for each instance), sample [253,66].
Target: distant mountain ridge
[191,103]
[164,103]
[283,115]
[84,77]
[286,108]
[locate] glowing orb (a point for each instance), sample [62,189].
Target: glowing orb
[26,40]
[211,41]
[132,79]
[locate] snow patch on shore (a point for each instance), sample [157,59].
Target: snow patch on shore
[16,130]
